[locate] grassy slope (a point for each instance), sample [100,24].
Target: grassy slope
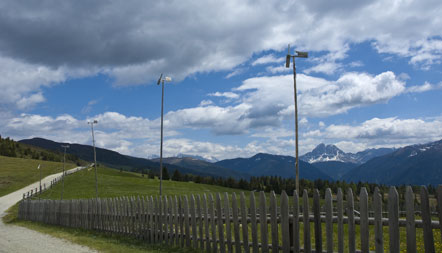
[113,183]
[16,173]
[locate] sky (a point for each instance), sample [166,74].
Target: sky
[373,76]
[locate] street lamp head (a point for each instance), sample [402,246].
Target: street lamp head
[168,79]
[159,79]
[287,61]
[301,54]
[95,121]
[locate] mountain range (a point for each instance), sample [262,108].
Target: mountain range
[328,153]
[270,165]
[415,164]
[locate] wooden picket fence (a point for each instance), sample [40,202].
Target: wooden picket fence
[220,224]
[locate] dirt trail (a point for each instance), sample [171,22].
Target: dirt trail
[19,239]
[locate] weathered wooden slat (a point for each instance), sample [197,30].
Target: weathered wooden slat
[296,212]
[263,222]
[176,221]
[351,222]
[206,224]
[393,219]
[181,217]
[166,220]
[236,231]
[228,223]
[193,222]
[213,223]
[151,220]
[244,224]
[143,219]
[200,221]
[186,221]
[285,223]
[161,220]
[411,227]
[317,221]
[378,231]
[426,219]
[253,225]
[306,222]
[439,208]
[363,209]
[219,214]
[329,219]
[274,222]
[171,221]
[156,221]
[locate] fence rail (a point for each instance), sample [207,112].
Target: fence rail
[219,223]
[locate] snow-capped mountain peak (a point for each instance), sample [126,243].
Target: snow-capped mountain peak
[326,153]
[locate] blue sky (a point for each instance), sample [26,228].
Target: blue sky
[372,79]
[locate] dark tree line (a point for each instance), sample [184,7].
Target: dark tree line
[278,184]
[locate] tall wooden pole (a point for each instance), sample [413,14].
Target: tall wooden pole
[161,145]
[296,125]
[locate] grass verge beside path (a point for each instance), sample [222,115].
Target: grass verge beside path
[16,173]
[99,241]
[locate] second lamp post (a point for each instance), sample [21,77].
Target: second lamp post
[287,65]
[161,80]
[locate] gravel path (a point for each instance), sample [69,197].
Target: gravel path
[19,239]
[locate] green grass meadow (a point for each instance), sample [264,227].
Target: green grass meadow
[16,173]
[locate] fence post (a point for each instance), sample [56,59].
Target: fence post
[213,223]
[393,219]
[228,223]
[295,230]
[411,227]
[236,223]
[219,216]
[245,227]
[206,223]
[176,239]
[439,207]
[193,222]
[263,222]
[329,219]
[317,219]
[378,230]
[363,208]
[351,222]
[426,220]
[285,229]
[166,220]
[305,212]
[200,221]
[171,220]
[274,222]
[254,227]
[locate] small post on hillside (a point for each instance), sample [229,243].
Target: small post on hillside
[64,162]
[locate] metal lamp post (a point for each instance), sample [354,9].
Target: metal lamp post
[95,155]
[287,65]
[64,162]
[161,80]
